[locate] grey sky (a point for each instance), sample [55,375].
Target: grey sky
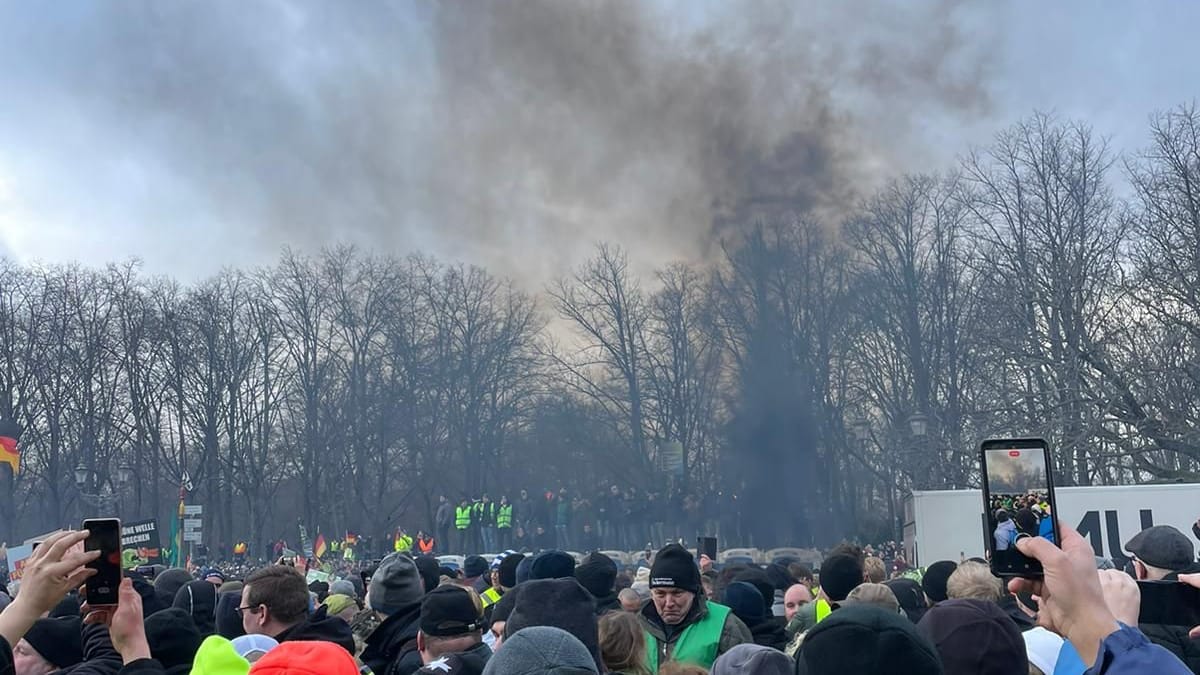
[200,134]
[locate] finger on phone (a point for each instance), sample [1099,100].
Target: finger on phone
[1040,548]
[1190,579]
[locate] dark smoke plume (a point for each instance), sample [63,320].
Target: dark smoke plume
[513,134]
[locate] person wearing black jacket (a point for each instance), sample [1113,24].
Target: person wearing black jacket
[1162,553]
[396,592]
[598,575]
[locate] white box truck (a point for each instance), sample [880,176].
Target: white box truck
[948,524]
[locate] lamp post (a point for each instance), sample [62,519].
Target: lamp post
[100,491]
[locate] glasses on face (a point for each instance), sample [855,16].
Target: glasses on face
[252,609]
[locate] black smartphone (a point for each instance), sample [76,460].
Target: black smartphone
[104,535]
[1169,603]
[707,546]
[1018,502]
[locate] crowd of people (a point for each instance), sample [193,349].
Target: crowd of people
[520,614]
[611,518]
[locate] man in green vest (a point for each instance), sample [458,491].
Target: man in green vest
[462,524]
[504,523]
[680,623]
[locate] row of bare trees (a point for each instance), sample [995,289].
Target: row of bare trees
[815,370]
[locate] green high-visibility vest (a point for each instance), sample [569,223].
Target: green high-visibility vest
[697,644]
[462,517]
[504,517]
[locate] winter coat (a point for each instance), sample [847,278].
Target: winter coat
[769,633]
[733,633]
[445,515]
[321,627]
[392,648]
[99,655]
[1128,652]
[470,662]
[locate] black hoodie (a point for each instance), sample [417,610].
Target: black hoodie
[321,627]
[199,600]
[470,662]
[173,639]
[392,647]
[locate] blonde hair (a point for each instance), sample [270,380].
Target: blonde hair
[623,643]
[874,570]
[974,580]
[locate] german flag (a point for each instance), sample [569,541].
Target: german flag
[10,433]
[319,547]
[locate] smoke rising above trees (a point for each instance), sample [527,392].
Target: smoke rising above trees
[1015,295]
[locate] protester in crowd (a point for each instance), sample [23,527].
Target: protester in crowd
[50,645]
[841,572]
[622,644]
[974,637]
[757,577]
[562,603]
[746,603]
[275,602]
[450,637]
[866,639]
[341,606]
[541,650]
[972,580]
[506,580]
[679,615]
[475,570]
[752,660]
[228,619]
[630,601]
[910,596]
[199,600]
[395,595]
[306,658]
[598,575]
[877,595]
[933,582]
[173,638]
[250,647]
[168,582]
[794,598]
[874,570]
[444,522]
[1162,553]
[552,564]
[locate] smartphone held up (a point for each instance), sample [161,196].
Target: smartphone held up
[1018,502]
[104,535]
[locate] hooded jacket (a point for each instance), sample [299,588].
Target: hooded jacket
[320,627]
[199,600]
[733,632]
[392,647]
[470,662]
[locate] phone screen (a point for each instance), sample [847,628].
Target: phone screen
[1018,502]
[104,535]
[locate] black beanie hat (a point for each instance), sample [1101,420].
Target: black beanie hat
[58,640]
[674,568]
[934,580]
[199,600]
[866,639]
[173,637]
[561,603]
[229,621]
[430,570]
[758,578]
[552,565]
[597,574]
[508,570]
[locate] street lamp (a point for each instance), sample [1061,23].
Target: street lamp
[82,473]
[918,424]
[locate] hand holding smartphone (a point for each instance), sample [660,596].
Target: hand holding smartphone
[104,535]
[1018,502]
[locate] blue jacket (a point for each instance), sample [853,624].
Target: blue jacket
[1128,652]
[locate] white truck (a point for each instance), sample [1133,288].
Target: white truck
[949,525]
